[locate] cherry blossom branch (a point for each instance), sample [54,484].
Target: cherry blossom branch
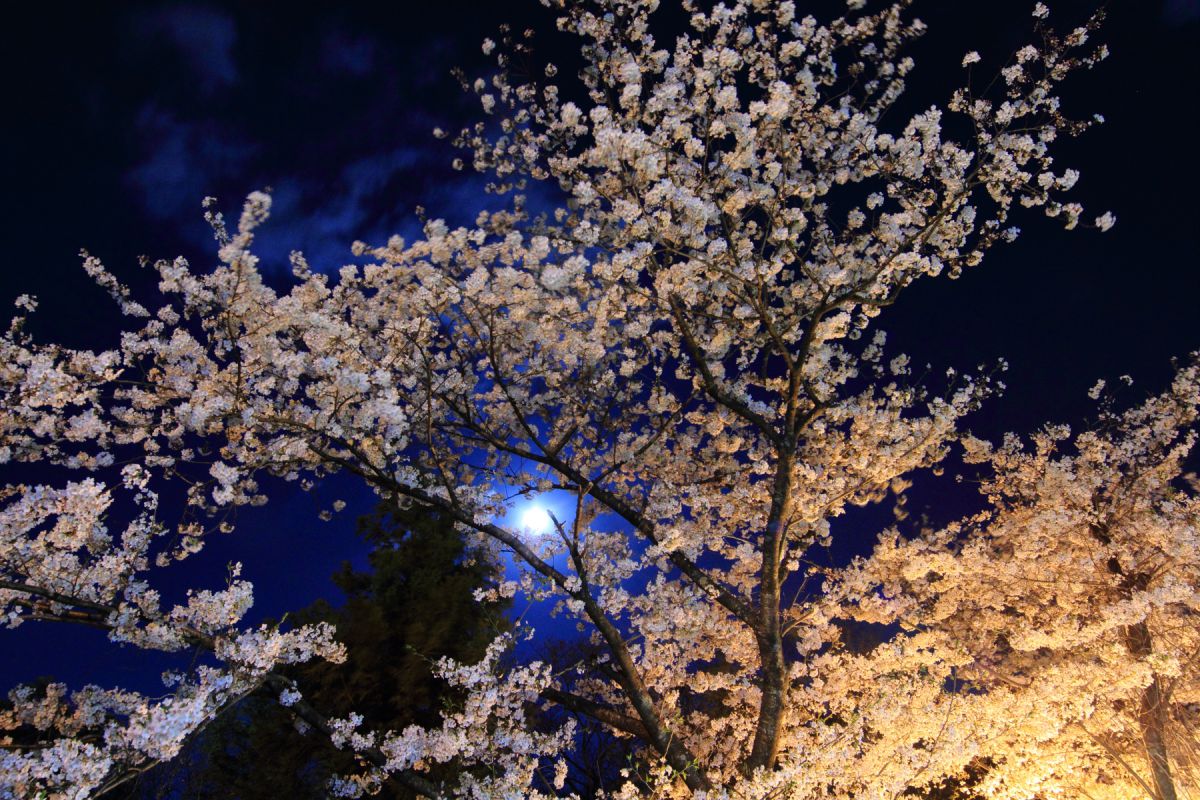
[671,748]
[711,385]
[89,613]
[608,716]
[734,604]
[302,709]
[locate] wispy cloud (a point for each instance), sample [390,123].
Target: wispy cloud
[334,118]
[203,36]
[182,162]
[365,200]
[349,53]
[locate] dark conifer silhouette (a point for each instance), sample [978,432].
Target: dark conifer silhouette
[412,606]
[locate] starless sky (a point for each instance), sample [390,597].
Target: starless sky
[121,117]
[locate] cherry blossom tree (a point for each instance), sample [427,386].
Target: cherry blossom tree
[684,345]
[1065,616]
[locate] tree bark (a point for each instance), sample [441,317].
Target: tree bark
[1152,711]
[1152,717]
[773,703]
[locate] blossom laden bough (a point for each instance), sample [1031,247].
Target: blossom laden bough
[1067,613]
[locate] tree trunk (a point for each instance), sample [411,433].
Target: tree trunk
[1152,713]
[773,704]
[1152,717]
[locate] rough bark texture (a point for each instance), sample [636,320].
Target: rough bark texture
[1152,717]
[773,703]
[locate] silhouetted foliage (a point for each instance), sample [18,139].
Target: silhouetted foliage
[412,606]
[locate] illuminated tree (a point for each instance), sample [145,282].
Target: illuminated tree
[679,346]
[1066,617]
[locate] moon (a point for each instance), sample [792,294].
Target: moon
[536,519]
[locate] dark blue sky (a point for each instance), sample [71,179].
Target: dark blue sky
[122,117]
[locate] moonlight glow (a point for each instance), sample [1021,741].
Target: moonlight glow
[536,519]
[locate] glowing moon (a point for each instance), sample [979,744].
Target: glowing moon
[536,519]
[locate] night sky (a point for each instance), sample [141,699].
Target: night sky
[122,117]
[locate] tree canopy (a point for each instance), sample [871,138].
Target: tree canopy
[685,344]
